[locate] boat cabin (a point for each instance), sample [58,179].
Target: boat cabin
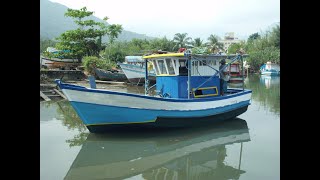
[172,75]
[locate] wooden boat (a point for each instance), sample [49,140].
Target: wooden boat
[186,153]
[270,69]
[236,76]
[181,94]
[110,75]
[55,61]
[134,69]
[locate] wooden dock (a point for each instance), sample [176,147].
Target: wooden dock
[51,93]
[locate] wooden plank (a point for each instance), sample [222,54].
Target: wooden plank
[44,96]
[48,85]
[47,91]
[53,95]
[60,93]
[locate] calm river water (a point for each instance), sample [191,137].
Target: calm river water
[246,148]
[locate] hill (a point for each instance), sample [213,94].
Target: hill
[53,22]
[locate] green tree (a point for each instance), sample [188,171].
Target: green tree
[275,36]
[45,43]
[235,47]
[253,36]
[197,42]
[113,32]
[86,39]
[214,43]
[162,44]
[263,48]
[181,40]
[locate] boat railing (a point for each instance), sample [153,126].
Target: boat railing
[238,57]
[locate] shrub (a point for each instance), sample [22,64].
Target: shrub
[91,62]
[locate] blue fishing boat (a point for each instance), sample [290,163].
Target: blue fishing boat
[182,93]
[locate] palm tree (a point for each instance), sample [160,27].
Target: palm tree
[181,40]
[213,43]
[197,42]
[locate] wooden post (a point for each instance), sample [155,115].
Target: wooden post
[92,82]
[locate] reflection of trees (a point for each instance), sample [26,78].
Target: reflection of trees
[71,120]
[47,104]
[206,164]
[266,96]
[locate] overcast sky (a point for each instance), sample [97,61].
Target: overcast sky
[198,18]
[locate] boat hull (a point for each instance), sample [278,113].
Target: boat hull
[109,76]
[58,63]
[270,73]
[136,74]
[177,122]
[102,107]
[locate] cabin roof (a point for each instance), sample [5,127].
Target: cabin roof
[163,55]
[214,56]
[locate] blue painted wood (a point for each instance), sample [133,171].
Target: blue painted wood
[177,87]
[103,114]
[92,82]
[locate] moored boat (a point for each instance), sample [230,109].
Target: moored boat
[110,75]
[182,93]
[56,60]
[270,69]
[134,69]
[235,73]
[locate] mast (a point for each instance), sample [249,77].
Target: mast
[146,81]
[188,54]
[242,72]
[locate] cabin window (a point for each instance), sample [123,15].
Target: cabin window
[162,67]
[182,63]
[170,66]
[183,71]
[155,66]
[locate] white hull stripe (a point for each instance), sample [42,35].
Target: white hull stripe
[143,103]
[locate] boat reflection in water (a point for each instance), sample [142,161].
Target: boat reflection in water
[192,153]
[269,81]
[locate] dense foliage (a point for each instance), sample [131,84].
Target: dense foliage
[261,48]
[85,41]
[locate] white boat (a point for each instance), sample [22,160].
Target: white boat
[270,69]
[134,69]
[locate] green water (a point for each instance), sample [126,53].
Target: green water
[245,148]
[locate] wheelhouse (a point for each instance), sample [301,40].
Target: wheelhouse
[172,75]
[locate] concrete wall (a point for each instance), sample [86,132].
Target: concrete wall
[71,75]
